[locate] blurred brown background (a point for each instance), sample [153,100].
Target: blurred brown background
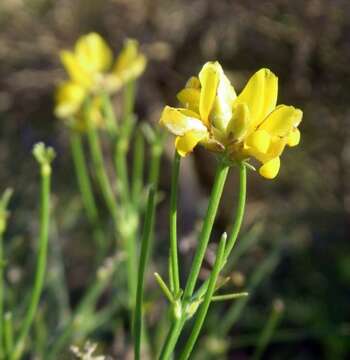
[306,209]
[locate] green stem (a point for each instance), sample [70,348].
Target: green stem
[178,323]
[202,312]
[128,99]
[239,210]
[85,187]
[41,263]
[4,200]
[174,265]
[101,174]
[138,165]
[145,245]
[218,187]
[268,330]
[1,295]
[8,333]
[153,175]
[109,115]
[237,222]
[120,163]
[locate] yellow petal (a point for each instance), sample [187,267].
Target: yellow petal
[189,98]
[93,53]
[260,95]
[193,83]
[69,98]
[221,113]
[186,143]
[181,121]
[270,93]
[75,70]
[294,138]
[238,125]
[270,169]
[130,63]
[209,79]
[260,140]
[282,120]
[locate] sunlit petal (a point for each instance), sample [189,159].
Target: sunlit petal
[181,121]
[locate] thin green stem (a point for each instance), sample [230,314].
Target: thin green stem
[128,99]
[4,200]
[215,197]
[109,115]
[145,247]
[242,193]
[129,242]
[202,312]
[233,296]
[120,163]
[269,328]
[85,188]
[97,158]
[237,222]
[1,295]
[156,153]
[138,166]
[174,264]
[178,323]
[163,286]
[172,337]
[41,262]
[8,333]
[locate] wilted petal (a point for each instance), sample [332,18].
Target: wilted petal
[270,169]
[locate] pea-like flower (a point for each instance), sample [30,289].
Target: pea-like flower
[91,71]
[243,126]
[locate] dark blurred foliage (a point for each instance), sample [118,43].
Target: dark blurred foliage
[305,210]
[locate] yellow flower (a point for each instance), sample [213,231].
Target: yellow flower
[91,71]
[129,65]
[69,106]
[249,125]
[69,98]
[90,59]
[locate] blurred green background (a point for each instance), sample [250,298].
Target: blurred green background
[304,213]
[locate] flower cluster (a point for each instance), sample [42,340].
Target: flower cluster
[91,71]
[243,126]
